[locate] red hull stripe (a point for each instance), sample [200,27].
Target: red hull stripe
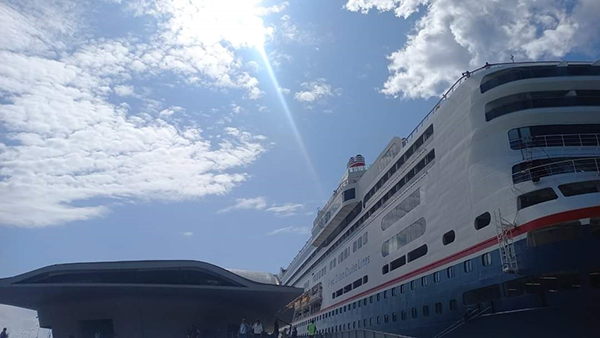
[527,227]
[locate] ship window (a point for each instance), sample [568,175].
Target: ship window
[333,295]
[386,318]
[359,322]
[365,322]
[417,253]
[394,317]
[398,262]
[438,308]
[354,325]
[468,264]
[385,269]
[559,135]
[404,237]
[365,302]
[436,277]
[357,283]
[482,220]
[348,288]
[555,233]
[543,284]
[365,237]
[450,272]
[414,312]
[482,295]
[360,242]
[543,99]
[453,304]
[371,299]
[424,281]
[486,259]
[413,285]
[403,288]
[349,194]
[403,315]
[371,321]
[339,292]
[407,205]
[448,237]
[354,246]
[385,294]
[580,188]
[536,197]
[365,279]
[534,170]
[426,310]
[504,76]
[393,292]
[378,296]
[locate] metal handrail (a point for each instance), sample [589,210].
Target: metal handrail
[462,79]
[588,164]
[556,140]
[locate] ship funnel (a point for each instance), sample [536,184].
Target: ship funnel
[356,161]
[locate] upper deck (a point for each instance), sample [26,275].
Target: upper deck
[480,80]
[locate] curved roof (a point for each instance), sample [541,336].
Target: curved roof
[170,277]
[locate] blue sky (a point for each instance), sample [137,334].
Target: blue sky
[154,130]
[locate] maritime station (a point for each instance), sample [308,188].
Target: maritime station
[146,299]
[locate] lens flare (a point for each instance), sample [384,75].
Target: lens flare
[292,123]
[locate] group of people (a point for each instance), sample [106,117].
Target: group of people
[256,330]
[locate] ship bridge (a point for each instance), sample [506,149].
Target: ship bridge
[343,200]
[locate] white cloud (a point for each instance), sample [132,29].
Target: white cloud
[274,9]
[284,90]
[236,109]
[187,234]
[290,32]
[260,203]
[170,111]
[316,91]
[70,147]
[277,59]
[256,203]
[457,35]
[302,230]
[122,90]
[285,210]
[263,109]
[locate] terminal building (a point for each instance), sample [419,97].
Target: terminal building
[146,299]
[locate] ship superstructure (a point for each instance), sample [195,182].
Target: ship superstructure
[488,212]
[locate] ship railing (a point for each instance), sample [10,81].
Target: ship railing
[556,140]
[466,75]
[322,212]
[360,333]
[556,168]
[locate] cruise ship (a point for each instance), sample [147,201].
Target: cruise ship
[483,221]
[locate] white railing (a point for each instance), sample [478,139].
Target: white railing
[556,168]
[557,140]
[360,334]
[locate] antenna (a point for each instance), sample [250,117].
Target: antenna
[512,58]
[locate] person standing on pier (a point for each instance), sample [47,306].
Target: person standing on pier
[257,329]
[276,329]
[312,328]
[244,329]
